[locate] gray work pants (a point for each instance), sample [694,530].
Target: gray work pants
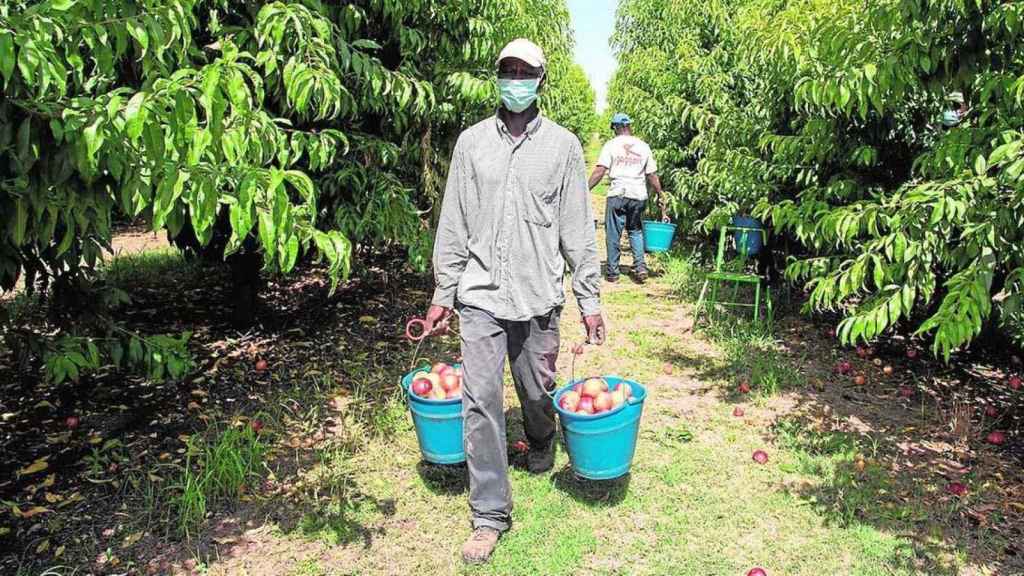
[531,347]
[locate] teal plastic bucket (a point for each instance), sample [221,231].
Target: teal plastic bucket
[752,239]
[658,235]
[438,425]
[601,446]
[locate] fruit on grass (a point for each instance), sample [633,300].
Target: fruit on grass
[261,365]
[570,401]
[586,405]
[911,353]
[888,370]
[957,489]
[421,387]
[71,422]
[859,380]
[744,387]
[906,392]
[991,411]
[859,463]
[626,389]
[757,572]
[737,412]
[256,424]
[760,456]
[1014,382]
[667,369]
[877,362]
[862,352]
[602,402]
[996,437]
[844,367]
[521,447]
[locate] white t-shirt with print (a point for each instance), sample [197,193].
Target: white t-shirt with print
[629,160]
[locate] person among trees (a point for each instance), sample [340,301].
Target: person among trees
[630,166]
[516,210]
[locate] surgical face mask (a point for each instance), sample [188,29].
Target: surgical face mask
[518,95]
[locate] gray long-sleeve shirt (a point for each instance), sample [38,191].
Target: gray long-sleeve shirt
[514,213]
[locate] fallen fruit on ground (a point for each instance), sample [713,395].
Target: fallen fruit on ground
[1014,382]
[261,365]
[862,352]
[744,387]
[996,437]
[888,370]
[757,572]
[667,368]
[256,425]
[991,411]
[844,367]
[737,412]
[911,353]
[877,362]
[521,447]
[859,380]
[71,422]
[956,488]
[906,392]
[760,456]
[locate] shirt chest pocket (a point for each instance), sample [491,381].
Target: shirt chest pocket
[539,197]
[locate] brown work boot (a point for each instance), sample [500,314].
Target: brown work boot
[480,545]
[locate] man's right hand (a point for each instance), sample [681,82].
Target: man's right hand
[436,320]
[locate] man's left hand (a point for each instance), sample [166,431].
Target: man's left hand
[595,329]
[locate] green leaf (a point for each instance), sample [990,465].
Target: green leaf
[980,165]
[62,5]
[19,222]
[268,235]
[289,254]
[7,56]
[138,31]
[135,113]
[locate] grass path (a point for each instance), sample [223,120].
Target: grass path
[694,504]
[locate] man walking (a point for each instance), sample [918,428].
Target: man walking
[630,166]
[516,210]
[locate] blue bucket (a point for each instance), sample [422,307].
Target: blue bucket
[438,425]
[658,235]
[601,446]
[752,239]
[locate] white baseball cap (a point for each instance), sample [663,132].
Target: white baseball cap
[524,50]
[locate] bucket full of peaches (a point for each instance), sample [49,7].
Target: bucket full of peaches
[600,418]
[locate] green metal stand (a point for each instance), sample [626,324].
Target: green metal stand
[737,279]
